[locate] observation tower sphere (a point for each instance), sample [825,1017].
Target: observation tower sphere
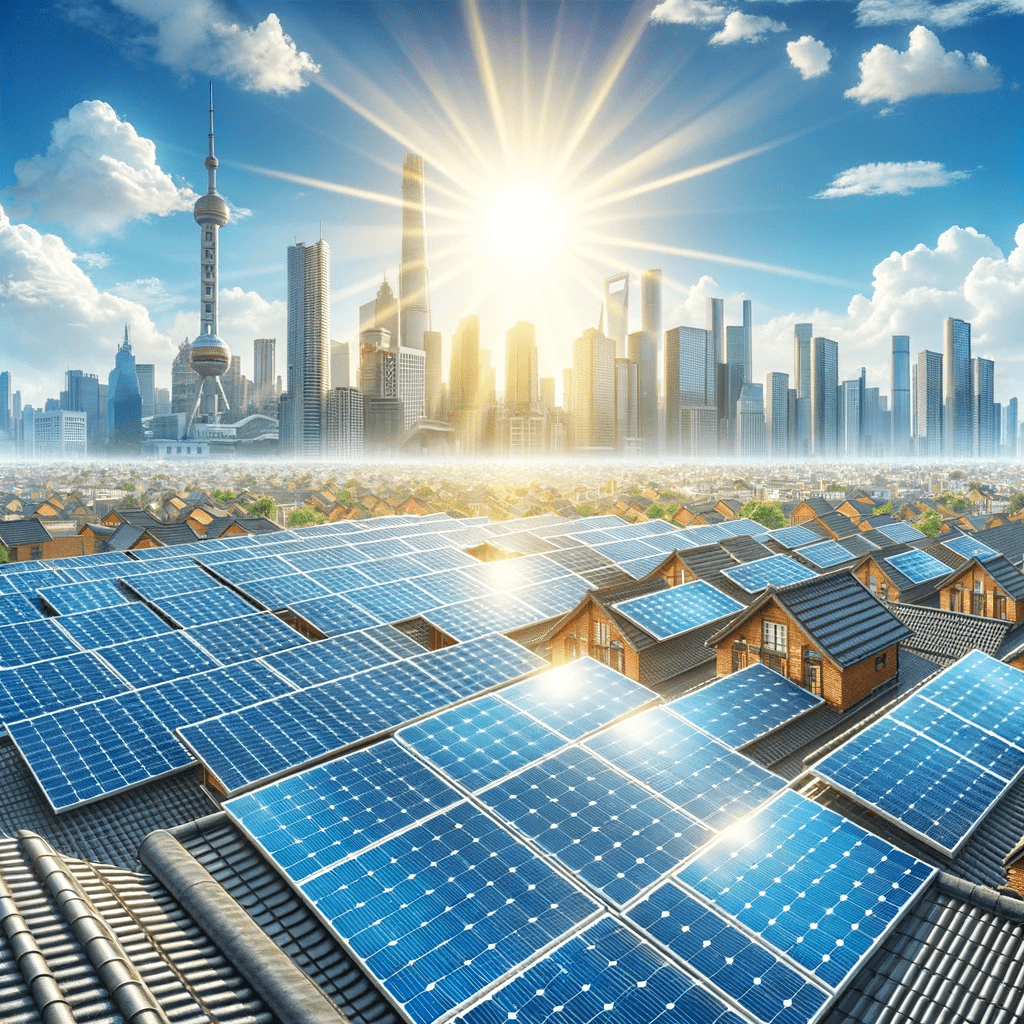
[211,207]
[210,356]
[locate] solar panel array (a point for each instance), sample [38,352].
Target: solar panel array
[668,613]
[918,566]
[970,547]
[776,571]
[825,554]
[792,536]
[901,533]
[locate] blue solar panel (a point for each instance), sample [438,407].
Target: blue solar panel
[577,698]
[394,640]
[605,974]
[480,742]
[393,602]
[29,582]
[477,665]
[334,615]
[554,598]
[454,585]
[339,556]
[918,566]
[757,978]
[441,559]
[246,570]
[456,900]
[620,551]
[25,642]
[969,547]
[492,613]
[108,626]
[776,571]
[396,567]
[83,597]
[187,580]
[156,658]
[638,568]
[745,706]
[901,533]
[280,591]
[810,883]
[515,573]
[248,636]
[309,821]
[372,549]
[668,613]
[792,536]
[330,659]
[214,604]
[826,554]
[17,608]
[699,774]
[598,823]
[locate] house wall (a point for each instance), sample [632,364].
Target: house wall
[872,568]
[57,547]
[1014,609]
[584,627]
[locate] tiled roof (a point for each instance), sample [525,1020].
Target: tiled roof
[838,524]
[1007,539]
[861,543]
[1010,578]
[947,636]
[14,532]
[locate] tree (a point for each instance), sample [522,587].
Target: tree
[957,474]
[1016,503]
[883,510]
[767,513]
[672,509]
[264,507]
[305,516]
[129,501]
[955,502]
[655,511]
[584,510]
[223,496]
[930,523]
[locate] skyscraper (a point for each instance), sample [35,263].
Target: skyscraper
[956,389]
[850,395]
[124,402]
[1009,447]
[309,345]
[593,404]
[750,424]
[464,384]
[82,394]
[432,375]
[776,415]
[146,372]
[983,426]
[900,440]
[344,435]
[929,404]
[339,364]
[647,359]
[627,403]
[185,381]
[521,388]
[748,342]
[5,401]
[263,353]
[413,279]
[616,301]
[691,415]
[802,385]
[735,374]
[824,397]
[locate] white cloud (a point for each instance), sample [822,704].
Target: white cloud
[689,12]
[197,36]
[965,275]
[810,56]
[97,174]
[242,317]
[749,27]
[890,179]
[945,15]
[924,68]
[93,260]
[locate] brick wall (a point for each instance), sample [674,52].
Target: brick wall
[584,627]
[1014,609]
[872,568]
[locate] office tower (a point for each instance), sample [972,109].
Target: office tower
[850,396]
[464,384]
[593,403]
[368,315]
[791,410]
[124,402]
[309,344]
[983,427]
[234,384]
[1009,448]
[750,422]
[626,403]
[146,372]
[263,352]
[616,301]
[211,214]
[82,394]
[568,389]
[378,364]
[413,279]
[776,416]
[650,358]
[339,364]
[185,381]
[873,441]
[161,401]
[547,392]
[58,434]
[900,440]
[802,385]
[5,401]
[956,388]
[929,404]
[487,401]
[521,388]
[344,438]
[824,397]
[716,325]
[748,342]
[735,373]
[381,311]
[691,413]
[432,375]
[411,383]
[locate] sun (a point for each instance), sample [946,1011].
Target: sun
[522,223]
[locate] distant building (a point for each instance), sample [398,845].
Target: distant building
[521,387]
[82,394]
[593,405]
[339,364]
[547,392]
[58,435]
[124,402]
[802,334]
[983,427]
[627,406]
[185,382]
[776,415]
[824,398]
[146,372]
[616,301]
[464,385]
[956,389]
[900,383]
[344,423]
[413,277]
[929,404]
[691,414]
[263,355]
[432,386]
[647,359]
[5,401]
[750,422]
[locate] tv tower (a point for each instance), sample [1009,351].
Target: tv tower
[210,357]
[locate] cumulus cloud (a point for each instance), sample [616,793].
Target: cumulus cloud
[93,260]
[924,68]
[198,36]
[810,56]
[749,27]
[242,317]
[97,174]
[964,275]
[945,15]
[890,179]
[689,12]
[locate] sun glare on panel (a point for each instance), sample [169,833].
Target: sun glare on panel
[522,223]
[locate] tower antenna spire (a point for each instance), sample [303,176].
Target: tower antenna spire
[211,117]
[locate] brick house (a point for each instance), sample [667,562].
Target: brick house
[993,588]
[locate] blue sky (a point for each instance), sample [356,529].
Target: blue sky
[856,164]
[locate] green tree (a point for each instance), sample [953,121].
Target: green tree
[584,510]
[671,510]
[767,513]
[130,501]
[655,511]
[956,502]
[223,496]
[930,523]
[1016,503]
[345,497]
[305,516]
[884,510]
[129,486]
[424,492]
[264,507]
[3,554]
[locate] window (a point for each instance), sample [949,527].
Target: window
[208,289]
[812,672]
[209,307]
[602,635]
[978,598]
[883,591]
[209,236]
[618,657]
[773,636]
[999,606]
[740,655]
[880,661]
[873,584]
[956,598]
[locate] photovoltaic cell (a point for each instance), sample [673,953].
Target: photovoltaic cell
[825,554]
[395,567]
[214,604]
[29,582]
[152,586]
[330,659]
[394,640]
[477,665]
[319,817]
[334,614]
[328,557]
[969,547]
[340,579]
[918,566]
[248,636]
[157,658]
[107,626]
[440,559]
[638,568]
[745,706]
[393,602]
[454,585]
[792,536]
[901,533]
[245,570]
[82,597]
[597,822]
[668,613]
[620,551]
[456,900]
[468,620]
[38,640]
[776,571]
[280,591]
[17,608]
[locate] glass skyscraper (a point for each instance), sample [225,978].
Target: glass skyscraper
[900,439]
[956,389]
[309,346]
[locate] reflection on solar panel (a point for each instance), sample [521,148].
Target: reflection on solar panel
[17,608]
[322,815]
[776,571]
[334,615]
[554,598]
[330,659]
[578,697]
[108,626]
[792,536]
[245,570]
[248,636]
[969,547]
[620,551]
[280,591]
[397,567]
[757,978]
[455,585]
[810,883]
[480,742]
[901,533]
[156,658]
[340,579]
[395,641]
[440,559]
[419,907]
[745,706]
[604,973]
[154,585]
[374,549]
[29,582]
[393,602]
[667,613]
[83,597]
[210,605]
[919,566]
[695,772]
[477,665]
[468,620]
[321,558]
[597,822]
[825,554]
[25,642]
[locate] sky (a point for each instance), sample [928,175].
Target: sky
[852,163]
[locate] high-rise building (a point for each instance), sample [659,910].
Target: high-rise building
[59,434]
[824,398]
[850,395]
[568,389]
[185,382]
[5,401]
[413,279]
[412,383]
[432,375]
[378,364]
[627,403]
[344,439]
[547,392]
[735,373]
[382,311]
[146,372]
[929,405]
[748,342]
[464,384]
[647,358]
[82,394]
[802,334]
[616,301]
[162,402]
[521,388]
[593,404]
[309,344]
[211,214]
[263,352]
[750,422]
[956,389]
[339,364]
[900,439]
[776,416]
[124,402]
[236,390]
[1009,446]
[983,427]
[691,414]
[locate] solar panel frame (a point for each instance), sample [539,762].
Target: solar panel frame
[968,546]
[793,536]
[478,666]
[394,602]
[334,615]
[35,640]
[324,660]
[16,608]
[825,554]
[245,636]
[83,596]
[918,566]
[901,533]
[155,659]
[776,570]
[196,608]
[277,592]
[483,615]
[340,579]
[152,586]
[650,610]
[105,627]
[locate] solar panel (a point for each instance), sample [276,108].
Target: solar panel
[340,579]
[157,658]
[702,776]
[969,547]
[170,583]
[324,660]
[901,533]
[604,973]
[318,817]
[29,582]
[598,823]
[792,536]
[668,613]
[246,570]
[776,571]
[83,597]
[454,585]
[248,636]
[478,743]
[480,616]
[810,883]
[511,574]
[214,604]
[373,549]
[334,614]
[17,608]
[918,566]
[395,641]
[456,900]
[705,941]
[825,554]
[555,598]
[638,568]
[280,591]
[108,626]
[393,602]
[440,559]
[25,642]
[620,551]
[396,567]
[477,665]
[578,697]
[321,558]
[746,706]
